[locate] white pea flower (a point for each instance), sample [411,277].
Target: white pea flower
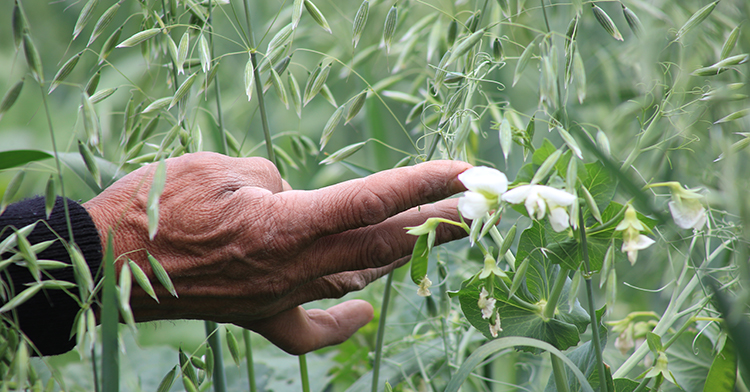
[424,287]
[496,327]
[632,239]
[624,342]
[686,208]
[486,303]
[540,198]
[485,185]
[631,246]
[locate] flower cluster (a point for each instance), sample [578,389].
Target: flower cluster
[424,287]
[632,239]
[487,187]
[686,208]
[487,305]
[540,198]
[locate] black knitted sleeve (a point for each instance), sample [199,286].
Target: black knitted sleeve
[47,318]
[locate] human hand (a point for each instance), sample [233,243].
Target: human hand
[241,247]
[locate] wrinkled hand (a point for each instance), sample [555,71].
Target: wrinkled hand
[241,247]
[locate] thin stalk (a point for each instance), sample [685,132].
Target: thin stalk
[57,164]
[219,116]
[110,352]
[212,331]
[554,295]
[642,386]
[679,332]
[259,85]
[590,298]
[381,333]
[679,296]
[444,333]
[93,366]
[249,359]
[558,369]
[544,11]
[303,373]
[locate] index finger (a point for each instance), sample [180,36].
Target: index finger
[373,199]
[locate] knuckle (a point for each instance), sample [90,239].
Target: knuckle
[378,250]
[336,286]
[371,207]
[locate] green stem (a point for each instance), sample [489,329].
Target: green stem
[259,85]
[212,332]
[93,366]
[679,296]
[679,332]
[558,369]
[608,224]
[590,298]
[217,88]
[110,353]
[554,295]
[303,373]
[642,386]
[544,11]
[381,333]
[57,164]
[249,359]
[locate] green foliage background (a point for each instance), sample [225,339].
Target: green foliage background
[627,83]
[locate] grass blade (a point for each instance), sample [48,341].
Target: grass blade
[109,318]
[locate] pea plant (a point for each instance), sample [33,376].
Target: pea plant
[605,210]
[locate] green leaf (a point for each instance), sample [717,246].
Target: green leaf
[480,354]
[654,342]
[419,257]
[14,158]
[599,183]
[109,318]
[690,359]
[584,356]
[519,321]
[626,385]
[723,372]
[402,364]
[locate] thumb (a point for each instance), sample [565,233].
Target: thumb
[299,331]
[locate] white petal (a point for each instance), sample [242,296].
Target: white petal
[496,327]
[633,246]
[474,205]
[485,304]
[484,180]
[689,214]
[555,196]
[535,205]
[518,194]
[641,242]
[558,217]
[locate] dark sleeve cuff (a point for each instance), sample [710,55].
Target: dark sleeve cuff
[47,318]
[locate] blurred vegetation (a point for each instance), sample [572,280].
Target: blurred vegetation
[640,95]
